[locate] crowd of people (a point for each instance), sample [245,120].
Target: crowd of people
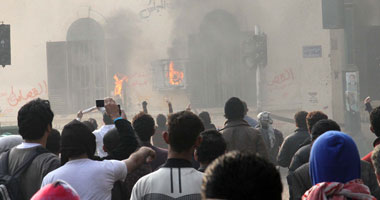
[183,155]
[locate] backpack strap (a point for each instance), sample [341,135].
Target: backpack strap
[28,161]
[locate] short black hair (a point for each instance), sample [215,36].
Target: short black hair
[322,126]
[93,122]
[184,129]
[234,109]
[34,118]
[241,175]
[107,119]
[313,117]
[89,125]
[205,117]
[374,118]
[53,141]
[161,120]
[144,126]
[300,119]
[212,146]
[111,139]
[76,139]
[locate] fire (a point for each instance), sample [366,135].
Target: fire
[175,77]
[119,83]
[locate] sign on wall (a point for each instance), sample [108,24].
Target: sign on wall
[312,51]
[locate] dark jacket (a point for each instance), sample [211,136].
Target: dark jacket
[161,156]
[239,135]
[290,146]
[301,181]
[128,144]
[300,157]
[128,141]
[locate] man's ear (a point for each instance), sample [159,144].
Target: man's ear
[49,129]
[165,135]
[198,141]
[373,130]
[195,155]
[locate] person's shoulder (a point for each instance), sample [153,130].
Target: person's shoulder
[48,158]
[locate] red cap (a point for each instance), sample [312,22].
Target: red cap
[58,190]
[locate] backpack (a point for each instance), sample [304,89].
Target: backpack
[10,183]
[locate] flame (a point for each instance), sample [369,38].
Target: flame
[119,84]
[175,77]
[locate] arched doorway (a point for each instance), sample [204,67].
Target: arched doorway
[216,71]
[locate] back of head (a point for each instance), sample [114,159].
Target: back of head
[300,119]
[212,146]
[93,122]
[34,118]
[76,140]
[245,107]
[313,117]
[107,119]
[184,129]
[374,118]
[205,117]
[234,109]
[334,157]
[237,175]
[144,126]
[58,190]
[53,141]
[111,140]
[89,125]
[322,126]
[161,120]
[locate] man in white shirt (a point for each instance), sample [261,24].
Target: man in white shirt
[177,178]
[99,134]
[92,179]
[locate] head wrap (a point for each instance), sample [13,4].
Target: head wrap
[266,129]
[334,157]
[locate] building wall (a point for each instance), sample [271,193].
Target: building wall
[291,81]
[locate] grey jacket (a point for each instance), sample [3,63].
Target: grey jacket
[31,179]
[301,181]
[239,135]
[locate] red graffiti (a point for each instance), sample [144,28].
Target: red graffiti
[285,76]
[14,99]
[3,94]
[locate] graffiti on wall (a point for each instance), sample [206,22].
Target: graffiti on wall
[282,79]
[153,6]
[15,97]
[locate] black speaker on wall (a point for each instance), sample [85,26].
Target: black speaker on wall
[333,14]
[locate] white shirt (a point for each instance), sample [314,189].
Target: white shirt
[169,183]
[26,145]
[91,179]
[99,134]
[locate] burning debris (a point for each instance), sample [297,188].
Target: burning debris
[175,77]
[119,79]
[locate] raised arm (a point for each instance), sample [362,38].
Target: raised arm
[143,155]
[170,106]
[145,107]
[367,103]
[128,141]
